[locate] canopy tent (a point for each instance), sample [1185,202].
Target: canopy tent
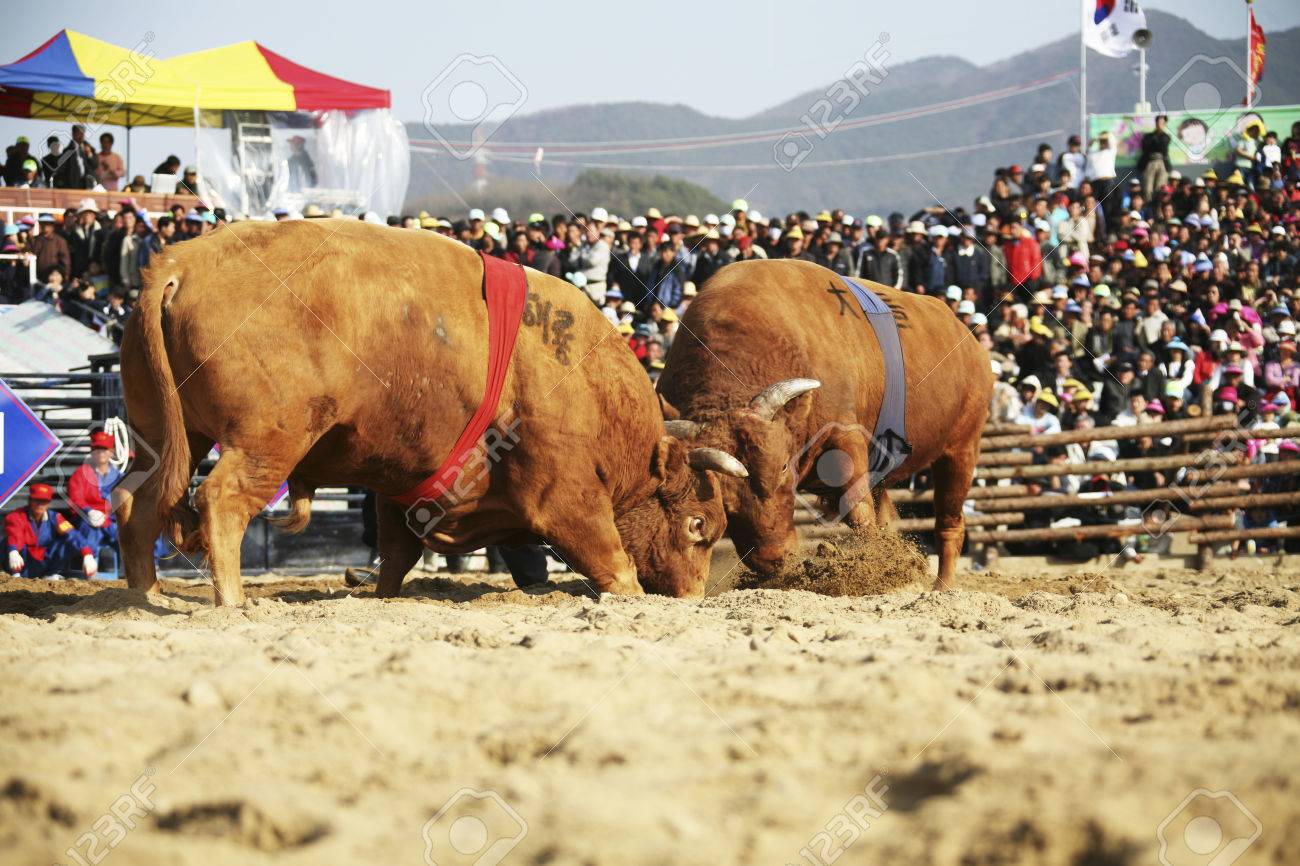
[75,77]
[268,132]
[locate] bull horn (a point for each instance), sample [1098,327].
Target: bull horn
[716,461]
[773,398]
[682,429]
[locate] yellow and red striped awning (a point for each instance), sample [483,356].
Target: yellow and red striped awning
[75,77]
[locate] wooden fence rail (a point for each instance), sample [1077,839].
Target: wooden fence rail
[1203,501]
[1182,523]
[1211,461]
[1070,437]
[1233,437]
[998,491]
[1118,497]
[1217,537]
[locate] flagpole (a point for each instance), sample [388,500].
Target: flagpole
[1083,73]
[1250,84]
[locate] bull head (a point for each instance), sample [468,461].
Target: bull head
[764,436]
[670,536]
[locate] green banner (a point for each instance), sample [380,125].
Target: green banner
[1200,140]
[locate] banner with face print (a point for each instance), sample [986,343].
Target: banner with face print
[1201,140]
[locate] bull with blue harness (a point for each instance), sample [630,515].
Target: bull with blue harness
[828,388]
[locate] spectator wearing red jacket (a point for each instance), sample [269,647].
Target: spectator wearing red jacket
[42,543]
[1024,258]
[90,487]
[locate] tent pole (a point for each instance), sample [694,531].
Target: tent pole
[196,137]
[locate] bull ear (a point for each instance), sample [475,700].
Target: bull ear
[662,459]
[669,411]
[682,429]
[716,461]
[774,398]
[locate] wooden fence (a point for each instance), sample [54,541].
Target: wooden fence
[1200,498]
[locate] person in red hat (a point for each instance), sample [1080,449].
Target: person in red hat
[40,542]
[90,487]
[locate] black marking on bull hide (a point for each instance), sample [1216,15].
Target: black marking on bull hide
[842,295]
[556,324]
[845,306]
[900,315]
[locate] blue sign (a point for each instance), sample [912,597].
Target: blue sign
[25,443]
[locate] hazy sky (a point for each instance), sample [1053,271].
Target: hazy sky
[728,59]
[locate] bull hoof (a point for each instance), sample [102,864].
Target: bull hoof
[355,577]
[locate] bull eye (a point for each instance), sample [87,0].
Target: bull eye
[695,529]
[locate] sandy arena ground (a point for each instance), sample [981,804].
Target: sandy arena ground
[1040,717]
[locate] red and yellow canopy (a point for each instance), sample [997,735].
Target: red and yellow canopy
[75,77]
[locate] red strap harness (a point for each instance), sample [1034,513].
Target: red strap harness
[505,287]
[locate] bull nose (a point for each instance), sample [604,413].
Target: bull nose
[767,559]
[766,562]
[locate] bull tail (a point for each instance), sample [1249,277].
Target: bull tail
[174,471]
[299,515]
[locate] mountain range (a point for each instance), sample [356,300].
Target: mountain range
[886,164]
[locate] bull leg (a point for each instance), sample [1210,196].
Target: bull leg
[238,488]
[841,469]
[886,513]
[588,540]
[399,548]
[952,479]
[138,527]
[138,523]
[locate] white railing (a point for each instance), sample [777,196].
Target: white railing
[31,263]
[9,212]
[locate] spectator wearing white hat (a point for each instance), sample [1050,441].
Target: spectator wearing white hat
[936,265]
[474,224]
[916,257]
[970,265]
[594,255]
[85,238]
[952,297]
[965,312]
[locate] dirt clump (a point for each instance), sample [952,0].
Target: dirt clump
[868,561]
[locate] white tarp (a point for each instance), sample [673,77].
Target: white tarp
[36,338]
[355,161]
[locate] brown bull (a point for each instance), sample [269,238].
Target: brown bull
[776,362]
[338,352]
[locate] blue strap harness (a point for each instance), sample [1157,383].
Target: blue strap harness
[889,447]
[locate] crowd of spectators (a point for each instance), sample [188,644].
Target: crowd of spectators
[75,164]
[1103,297]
